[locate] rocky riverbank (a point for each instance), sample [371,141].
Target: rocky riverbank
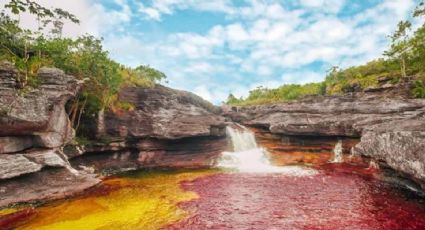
[39,161]
[389,122]
[34,127]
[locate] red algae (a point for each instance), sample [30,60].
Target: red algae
[333,199]
[10,220]
[347,195]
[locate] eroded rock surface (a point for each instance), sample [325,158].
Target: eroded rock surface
[346,115]
[400,145]
[164,113]
[34,127]
[167,128]
[391,125]
[48,184]
[35,117]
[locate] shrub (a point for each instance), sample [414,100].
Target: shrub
[419,89]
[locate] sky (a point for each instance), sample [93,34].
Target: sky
[217,47]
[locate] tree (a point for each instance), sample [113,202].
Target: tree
[232,100]
[20,45]
[150,73]
[400,45]
[420,10]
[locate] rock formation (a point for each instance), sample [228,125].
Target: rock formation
[167,128]
[34,127]
[391,125]
[399,145]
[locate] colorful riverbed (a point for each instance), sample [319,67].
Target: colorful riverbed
[299,186]
[340,196]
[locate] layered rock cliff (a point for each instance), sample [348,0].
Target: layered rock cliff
[390,123]
[165,128]
[34,127]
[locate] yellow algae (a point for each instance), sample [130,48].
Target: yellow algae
[8,211]
[144,201]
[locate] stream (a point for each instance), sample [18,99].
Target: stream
[250,188]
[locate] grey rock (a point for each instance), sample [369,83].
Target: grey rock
[46,185]
[346,115]
[391,125]
[400,145]
[16,165]
[161,112]
[48,157]
[39,112]
[15,144]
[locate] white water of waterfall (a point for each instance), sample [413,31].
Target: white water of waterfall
[338,152]
[249,158]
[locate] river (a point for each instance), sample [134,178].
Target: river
[249,188]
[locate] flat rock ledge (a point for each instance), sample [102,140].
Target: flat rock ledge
[400,146]
[391,125]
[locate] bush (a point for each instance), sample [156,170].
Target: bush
[419,89]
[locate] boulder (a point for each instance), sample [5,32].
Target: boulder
[15,144]
[37,113]
[16,165]
[46,185]
[399,145]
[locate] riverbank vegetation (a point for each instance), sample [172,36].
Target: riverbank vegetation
[83,57]
[405,58]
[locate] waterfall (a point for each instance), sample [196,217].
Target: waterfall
[338,152]
[249,158]
[242,138]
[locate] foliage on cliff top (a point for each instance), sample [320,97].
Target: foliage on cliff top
[83,57]
[404,57]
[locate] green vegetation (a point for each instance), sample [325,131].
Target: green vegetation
[405,57]
[83,57]
[419,90]
[262,95]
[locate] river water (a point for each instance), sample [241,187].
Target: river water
[249,189]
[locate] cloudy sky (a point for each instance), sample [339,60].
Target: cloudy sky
[217,47]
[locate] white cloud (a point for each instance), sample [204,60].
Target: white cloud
[94,18]
[324,5]
[257,43]
[302,77]
[157,8]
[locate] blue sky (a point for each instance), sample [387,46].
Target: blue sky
[217,47]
